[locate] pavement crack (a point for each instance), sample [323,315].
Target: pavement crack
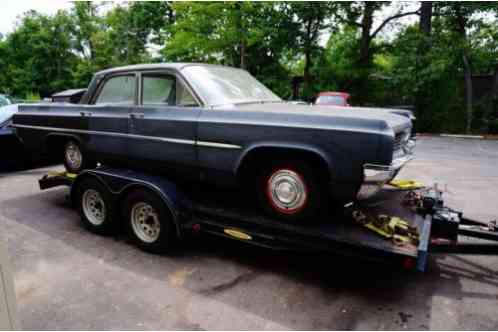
[243,278]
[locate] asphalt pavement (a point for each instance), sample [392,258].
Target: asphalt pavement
[68,278]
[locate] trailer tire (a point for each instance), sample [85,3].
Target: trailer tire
[149,222]
[94,206]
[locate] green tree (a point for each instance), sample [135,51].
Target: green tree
[361,16]
[461,18]
[38,55]
[251,35]
[311,19]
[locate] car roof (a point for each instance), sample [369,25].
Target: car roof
[151,66]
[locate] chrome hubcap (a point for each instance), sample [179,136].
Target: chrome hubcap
[94,207]
[287,190]
[73,155]
[145,222]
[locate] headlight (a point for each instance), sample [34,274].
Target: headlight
[406,135]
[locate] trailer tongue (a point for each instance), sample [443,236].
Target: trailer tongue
[401,226]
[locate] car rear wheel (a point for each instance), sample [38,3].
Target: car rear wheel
[75,160]
[290,191]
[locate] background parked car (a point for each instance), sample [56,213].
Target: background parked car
[6,113]
[72,96]
[11,148]
[4,100]
[332,98]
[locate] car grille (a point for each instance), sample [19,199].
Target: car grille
[400,140]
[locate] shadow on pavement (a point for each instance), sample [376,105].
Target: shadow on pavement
[336,291]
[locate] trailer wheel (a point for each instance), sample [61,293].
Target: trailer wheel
[94,206]
[149,222]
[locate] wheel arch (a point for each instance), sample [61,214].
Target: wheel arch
[256,152]
[54,142]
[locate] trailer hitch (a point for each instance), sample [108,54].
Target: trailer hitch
[448,224]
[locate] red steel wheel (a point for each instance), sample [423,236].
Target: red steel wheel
[286,191]
[291,190]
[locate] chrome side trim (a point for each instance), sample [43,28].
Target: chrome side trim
[155,138]
[218,145]
[67,130]
[161,139]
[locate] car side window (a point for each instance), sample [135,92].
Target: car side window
[118,90]
[184,97]
[158,90]
[163,89]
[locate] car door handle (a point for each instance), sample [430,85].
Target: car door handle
[86,114]
[137,115]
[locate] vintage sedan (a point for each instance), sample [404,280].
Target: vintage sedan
[219,125]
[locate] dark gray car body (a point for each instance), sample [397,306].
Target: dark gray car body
[212,143]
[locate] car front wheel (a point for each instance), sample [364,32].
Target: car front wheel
[290,191]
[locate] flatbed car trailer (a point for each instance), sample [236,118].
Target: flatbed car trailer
[115,197]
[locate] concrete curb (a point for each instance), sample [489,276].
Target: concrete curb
[481,137]
[463,136]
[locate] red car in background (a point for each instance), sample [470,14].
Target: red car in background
[332,98]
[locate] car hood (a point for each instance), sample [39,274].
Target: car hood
[6,112]
[407,113]
[395,118]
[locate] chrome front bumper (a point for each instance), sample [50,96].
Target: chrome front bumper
[376,176]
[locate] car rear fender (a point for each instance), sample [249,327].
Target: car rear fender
[54,141]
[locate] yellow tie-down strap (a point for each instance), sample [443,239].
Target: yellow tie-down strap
[66,174]
[407,184]
[393,228]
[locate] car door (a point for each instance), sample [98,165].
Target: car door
[163,129]
[109,116]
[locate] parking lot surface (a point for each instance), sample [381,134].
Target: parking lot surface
[68,278]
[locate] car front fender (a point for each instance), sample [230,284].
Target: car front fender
[283,146]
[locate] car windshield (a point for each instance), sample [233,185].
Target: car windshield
[331,100]
[218,85]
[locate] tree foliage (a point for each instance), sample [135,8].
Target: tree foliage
[382,53]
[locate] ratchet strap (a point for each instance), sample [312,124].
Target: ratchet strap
[66,174]
[393,228]
[406,184]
